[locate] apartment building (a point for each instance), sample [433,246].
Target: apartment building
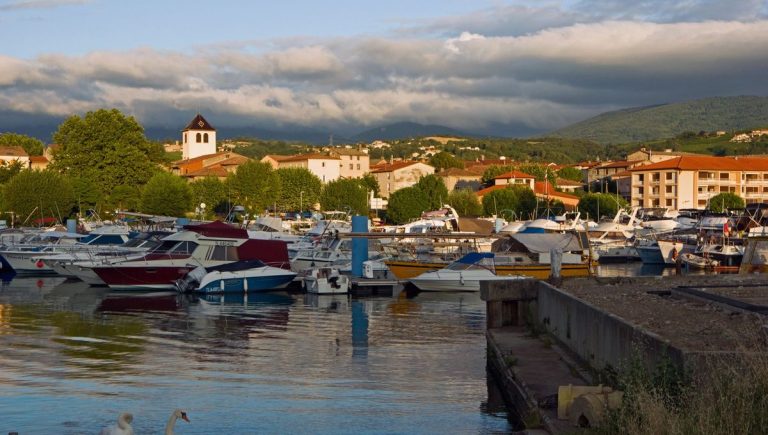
[397,175]
[354,163]
[690,181]
[326,168]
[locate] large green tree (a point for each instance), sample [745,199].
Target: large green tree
[571,173]
[434,188]
[255,186]
[300,189]
[166,194]
[87,194]
[33,146]
[445,160]
[515,200]
[46,193]
[345,194]
[724,201]
[370,183]
[125,197]
[106,147]
[212,192]
[407,204]
[595,205]
[465,202]
[539,172]
[9,169]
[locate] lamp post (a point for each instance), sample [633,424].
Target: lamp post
[301,202]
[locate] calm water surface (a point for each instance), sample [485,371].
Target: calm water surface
[74,357]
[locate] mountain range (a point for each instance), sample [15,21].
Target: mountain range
[621,126]
[669,120]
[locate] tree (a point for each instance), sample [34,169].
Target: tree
[166,194]
[494,171]
[465,202]
[571,173]
[596,205]
[125,198]
[517,200]
[445,160]
[47,193]
[724,201]
[434,188]
[370,183]
[407,204]
[212,192]
[9,169]
[87,195]
[345,194]
[539,172]
[300,189]
[107,148]
[255,186]
[33,146]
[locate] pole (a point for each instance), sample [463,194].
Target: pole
[301,203]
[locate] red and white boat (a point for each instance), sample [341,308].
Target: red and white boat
[206,245]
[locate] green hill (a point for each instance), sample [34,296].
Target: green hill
[669,120]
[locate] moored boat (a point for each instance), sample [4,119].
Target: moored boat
[239,277]
[697,262]
[464,274]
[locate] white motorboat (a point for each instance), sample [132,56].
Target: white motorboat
[326,281]
[464,274]
[238,277]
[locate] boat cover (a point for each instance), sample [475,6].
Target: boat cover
[545,242]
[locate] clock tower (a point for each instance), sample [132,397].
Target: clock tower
[198,138]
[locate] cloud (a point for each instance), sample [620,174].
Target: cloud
[473,81]
[40,4]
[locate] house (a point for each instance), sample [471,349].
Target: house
[326,168]
[646,155]
[38,162]
[218,165]
[690,181]
[397,175]
[456,178]
[354,163]
[198,138]
[545,191]
[10,154]
[514,177]
[569,185]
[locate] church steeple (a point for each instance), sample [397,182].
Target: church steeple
[198,138]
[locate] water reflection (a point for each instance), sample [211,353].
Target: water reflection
[268,362]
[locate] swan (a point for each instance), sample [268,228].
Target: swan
[175,415]
[123,426]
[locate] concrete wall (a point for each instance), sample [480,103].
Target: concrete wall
[598,337]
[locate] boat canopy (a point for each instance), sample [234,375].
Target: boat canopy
[474,257]
[542,242]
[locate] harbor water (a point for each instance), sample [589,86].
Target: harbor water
[75,357]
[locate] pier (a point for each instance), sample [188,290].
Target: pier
[585,330]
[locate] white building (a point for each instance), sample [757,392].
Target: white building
[326,168]
[198,138]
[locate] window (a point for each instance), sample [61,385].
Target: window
[668,189]
[205,138]
[185,138]
[358,166]
[640,177]
[669,176]
[323,164]
[223,253]
[351,166]
[198,138]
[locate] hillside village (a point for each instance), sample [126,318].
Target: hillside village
[646,178]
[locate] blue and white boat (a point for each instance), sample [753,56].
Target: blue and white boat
[238,277]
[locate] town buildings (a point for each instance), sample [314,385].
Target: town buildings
[690,181]
[325,167]
[397,175]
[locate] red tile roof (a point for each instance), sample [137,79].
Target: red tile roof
[694,163]
[38,159]
[616,164]
[213,171]
[13,151]
[312,156]
[546,188]
[566,182]
[487,190]
[513,174]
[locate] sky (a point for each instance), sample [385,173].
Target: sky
[485,66]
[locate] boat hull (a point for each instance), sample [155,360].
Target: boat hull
[412,269]
[229,282]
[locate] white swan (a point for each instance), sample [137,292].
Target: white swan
[123,426]
[177,414]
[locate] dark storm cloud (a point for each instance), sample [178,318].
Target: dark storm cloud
[542,79]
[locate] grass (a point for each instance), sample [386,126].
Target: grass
[727,395]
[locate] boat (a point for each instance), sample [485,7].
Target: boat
[326,281]
[525,254]
[464,274]
[238,277]
[696,262]
[612,240]
[207,245]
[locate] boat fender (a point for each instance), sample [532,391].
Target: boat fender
[461,278]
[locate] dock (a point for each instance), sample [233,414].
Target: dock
[542,336]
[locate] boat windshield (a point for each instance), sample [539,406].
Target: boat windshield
[482,263]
